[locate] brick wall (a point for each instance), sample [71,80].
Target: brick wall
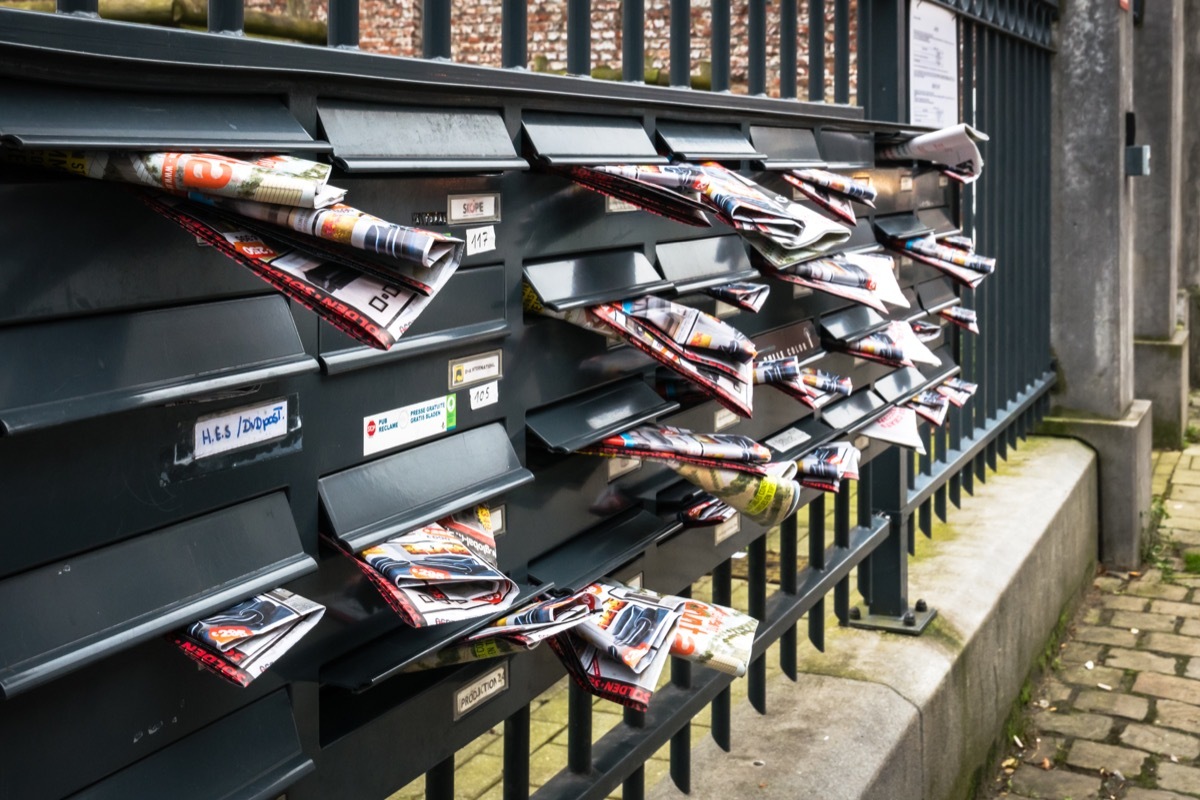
[394,27]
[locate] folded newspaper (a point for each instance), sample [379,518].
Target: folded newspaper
[690,328]
[954,148]
[706,511]
[669,444]
[957,391]
[827,466]
[645,195]
[925,331]
[932,405]
[865,278]
[280,180]
[748,296]
[832,192]
[443,572]
[243,641]
[898,426]
[897,345]
[814,387]
[931,248]
[766,499]
[965,318]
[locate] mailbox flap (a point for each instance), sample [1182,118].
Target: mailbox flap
[601,549]
[862,238]
[903,382]
[377,138]
[594,278]
[937,294]
[252,754]
[44,116]
[847,149]
[939,220]
[902,226]
[852,323]
[786,148]
[697,264]
[580,139]
[83,368]
[697,141]
[571,424]
[852,411]
[60,617]
[372,502]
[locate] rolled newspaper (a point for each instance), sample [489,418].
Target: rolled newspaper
[955,255]
[835,270]
[765,499]
[862,192]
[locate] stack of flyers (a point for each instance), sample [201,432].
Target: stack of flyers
[932,405]
[827,466]
[670,444]
[959,263]
[831,191]
[898,426]
[690,328]
[748,296]
[706,511]
[648,193]
[520,631]
[896,345]
[716,636]
[925,331]
[767,499]
[965,318]
[958,391]
[443,572]
[954,148]
[813,387]
[242,642]
[866,278]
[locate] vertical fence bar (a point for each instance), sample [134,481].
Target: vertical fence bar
[866,511]
[757,34]
[634,787]
[788,23]
[841,51]
[756,679]
[516,755]
[681,741]
[681,43]
[889,561]
[720,45]
[788,535]
[227,16]
[883,59]
[343,24]
[439,781]
[816,50]
[435,29]
[816,561]
[633,42]
[722,594]
[841,538]
[579,37]
[579,730]
[514,34]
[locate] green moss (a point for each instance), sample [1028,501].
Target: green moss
[939,630]
[1191,563]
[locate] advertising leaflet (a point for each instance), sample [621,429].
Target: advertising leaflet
[691,328]
[627,625]
[670,444]
[954,148]
[925,331]
[747,296]
[243,641]
[930,247]
[718,637]
[827,466]
[965,276]
[813,387]
[965,318]
[865,278]
[958,391]
[898,426]
[897,345]
[766,499]
[931,405]
[855,190]
[443,572]
[656,199]
[705,512]
[836,204]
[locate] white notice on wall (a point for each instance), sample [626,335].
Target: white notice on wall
[932,66]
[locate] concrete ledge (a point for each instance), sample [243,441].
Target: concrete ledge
[1160,371]
[897,718]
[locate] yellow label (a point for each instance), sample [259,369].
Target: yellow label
[762,497]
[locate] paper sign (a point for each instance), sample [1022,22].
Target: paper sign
[932,65]
[462,208]
[782,442]
[485,395]
[727,528]
[476,369]
[406,424]
[242,427]
[481,240]
[724,419]
[480,690]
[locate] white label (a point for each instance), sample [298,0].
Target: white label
[863,179]
[725,310]
[724,419]
[932,65]
[486,395]
[905,186]
[476,369]
[480,690]
[462,208]
[242,427]
[798,195]
[406,424]
[727,528]
[612,205]
[622,466]
[862,442]
[943,181]
[481,240]
[497,515]
[636,581]
[782,442]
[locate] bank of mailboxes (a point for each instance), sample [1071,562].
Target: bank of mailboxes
[122,337]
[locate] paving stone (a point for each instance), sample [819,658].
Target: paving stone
[1093,755]
[1143,622]
[1172,643]
[1176,609]
[1182,521]
[477,774]
[1124,602]
[1044,747]
[1055,691]
[1185,493]
[544,763]
[1083,726]
[1185,690]
[1164,591]
[1108,583]
[1091,616]
[1186,477]
[1137,793]
[1097,635]
[1080,652]
[1115,703]
[1055,784]
[1174,714]
[1185,536]
[1080,675]
[1139,661]
[1178,778]
[1190,627]
[1193,668]
[1161,740]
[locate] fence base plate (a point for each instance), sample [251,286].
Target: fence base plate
[880,622]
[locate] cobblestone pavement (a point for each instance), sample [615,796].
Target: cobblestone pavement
[1117,713]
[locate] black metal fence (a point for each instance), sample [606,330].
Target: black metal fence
[342,722]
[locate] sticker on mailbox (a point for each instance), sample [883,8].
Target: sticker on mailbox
[473,208]
[406,424]
[475,369]
[241,427]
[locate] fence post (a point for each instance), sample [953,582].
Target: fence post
[883,59]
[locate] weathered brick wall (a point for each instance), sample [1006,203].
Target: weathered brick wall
[394,27]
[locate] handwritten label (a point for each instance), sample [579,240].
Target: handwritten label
[613,205]
[242,427]
[473,208]
[476,369]
[481,240]
[480,690]
[727,528]
[406,424]
[724,419]
[622,466]
[782,442]
[485,395]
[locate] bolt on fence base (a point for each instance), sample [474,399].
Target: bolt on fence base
[912,622]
